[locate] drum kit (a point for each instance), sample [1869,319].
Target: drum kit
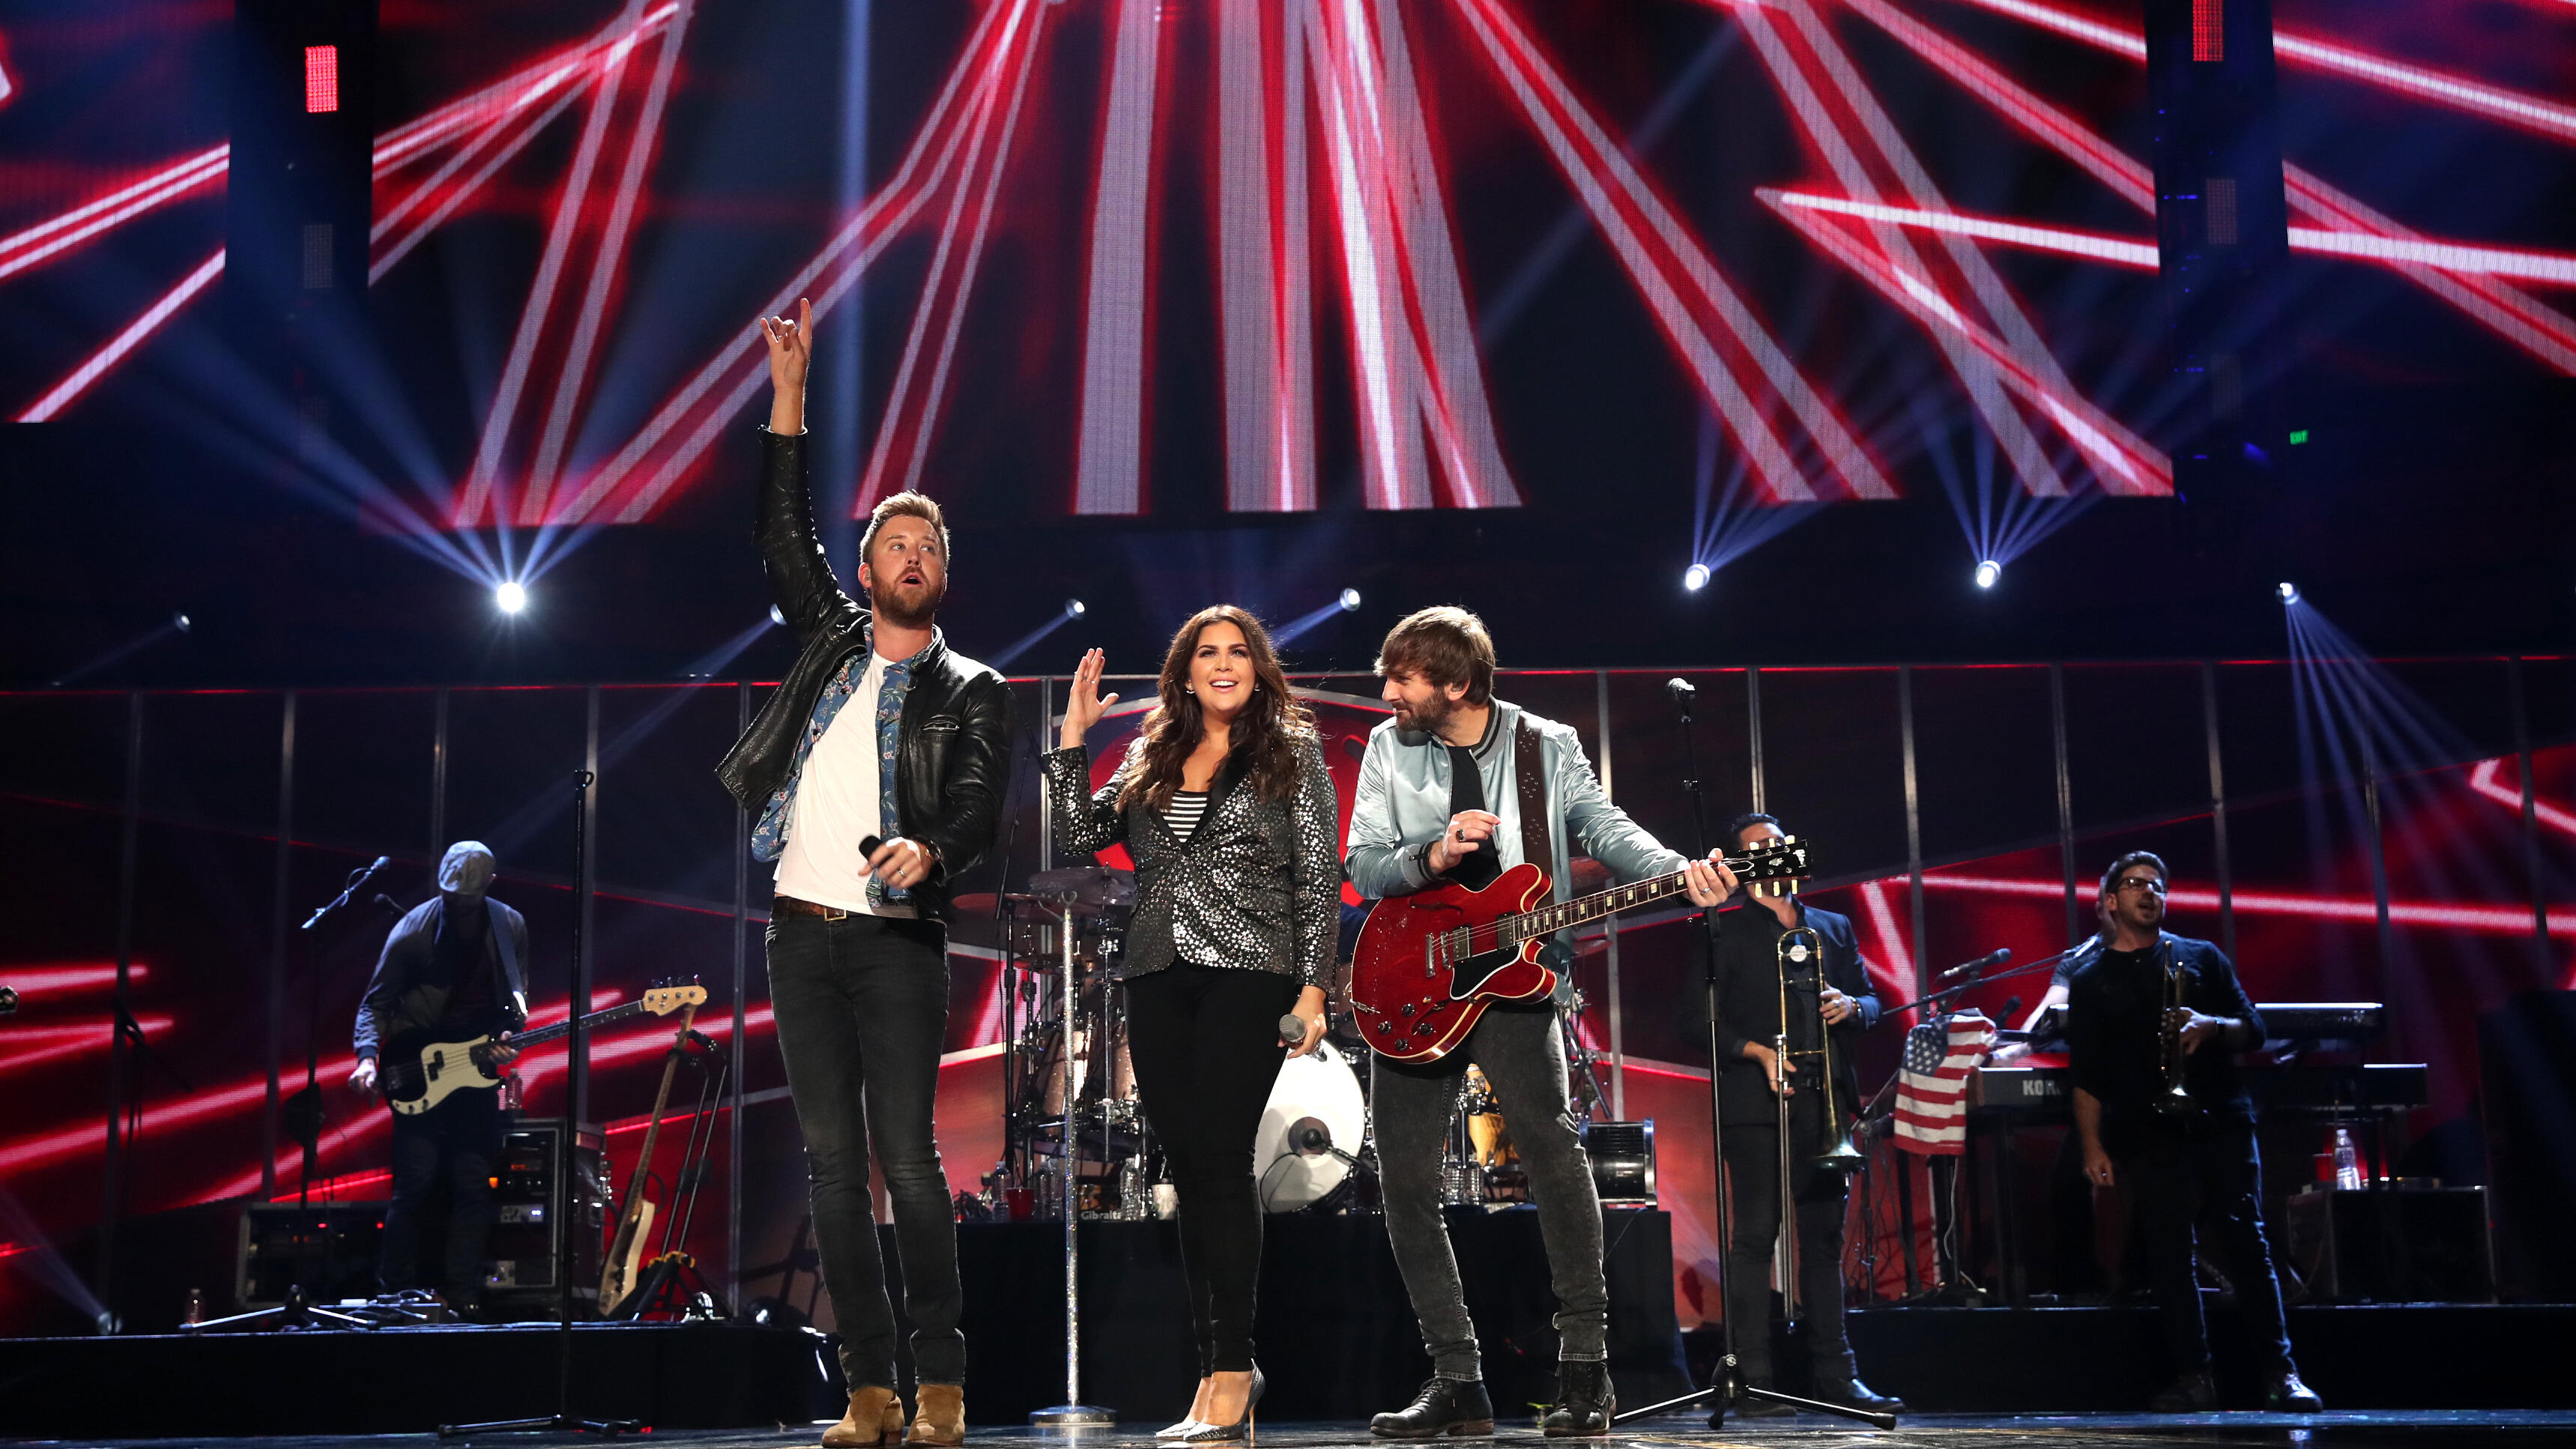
[1069,1076]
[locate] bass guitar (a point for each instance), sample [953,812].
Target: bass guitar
[621,1269]
[1428,964]
[417,1074]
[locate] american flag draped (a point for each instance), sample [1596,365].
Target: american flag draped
[1932,1082]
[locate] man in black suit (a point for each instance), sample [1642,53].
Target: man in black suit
[1832,997]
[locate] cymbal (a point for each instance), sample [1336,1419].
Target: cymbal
[1086,885]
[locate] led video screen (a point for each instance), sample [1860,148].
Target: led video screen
[1118,257]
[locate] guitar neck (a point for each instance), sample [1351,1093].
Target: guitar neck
[546,1034]
[1548,920]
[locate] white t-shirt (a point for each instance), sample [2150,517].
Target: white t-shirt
[837,805]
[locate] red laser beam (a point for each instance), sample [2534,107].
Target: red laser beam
[1718,336]
[49,978]
[2494,304]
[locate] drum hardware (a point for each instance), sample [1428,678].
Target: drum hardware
[1085,888]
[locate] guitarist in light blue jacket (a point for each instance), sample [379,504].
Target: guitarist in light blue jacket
[1439,800]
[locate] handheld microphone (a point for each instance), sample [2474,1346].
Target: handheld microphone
[1995,957]
[1292,1030]
[870,845]
[2012,1007]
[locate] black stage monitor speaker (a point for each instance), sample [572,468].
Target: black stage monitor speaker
[2393,1245]
[1623,1161]
[2527,1096]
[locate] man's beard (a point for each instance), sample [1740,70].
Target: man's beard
[1431,718]
[908,615]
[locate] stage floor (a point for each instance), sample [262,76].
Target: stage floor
[2504,1428]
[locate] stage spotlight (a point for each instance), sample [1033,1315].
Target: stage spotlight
[1695,578]
[2289,593]
[511,596]
[1987,572]
[180,622]
[1074,608]
[1350,601]
[776,617]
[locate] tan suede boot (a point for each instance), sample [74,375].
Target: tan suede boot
[941,1416]
[876,1417]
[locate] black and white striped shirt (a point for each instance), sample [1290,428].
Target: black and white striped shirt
[1185,811]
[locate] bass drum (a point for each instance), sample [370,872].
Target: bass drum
[1315,1105]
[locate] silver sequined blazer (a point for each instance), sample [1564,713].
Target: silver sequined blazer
[1256,887]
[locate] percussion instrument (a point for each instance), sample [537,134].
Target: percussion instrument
[1315,1109]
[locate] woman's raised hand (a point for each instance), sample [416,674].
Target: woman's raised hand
[1084,704]
[791,351]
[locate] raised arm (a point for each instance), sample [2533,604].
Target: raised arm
[1088,825]
[800,575]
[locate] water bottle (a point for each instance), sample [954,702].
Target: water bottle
[2347,1161]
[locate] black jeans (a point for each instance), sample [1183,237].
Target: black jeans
[462,1137]
[1205,1041]
[1818,1199]
[2208,1170]
[1523,1056]
[862,1009]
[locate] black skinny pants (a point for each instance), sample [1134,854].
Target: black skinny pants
[1820,1200]
[2211,1172]
[1205,1042]
[460,1139]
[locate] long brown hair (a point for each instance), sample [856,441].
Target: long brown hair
[1273,727]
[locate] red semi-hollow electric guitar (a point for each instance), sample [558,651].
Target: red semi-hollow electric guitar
[1428,964]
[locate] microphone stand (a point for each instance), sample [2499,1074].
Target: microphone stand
[1726,1387]
[567,1155]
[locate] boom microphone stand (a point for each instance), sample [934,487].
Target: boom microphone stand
[1727,1387]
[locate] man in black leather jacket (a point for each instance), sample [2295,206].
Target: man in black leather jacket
[877,771]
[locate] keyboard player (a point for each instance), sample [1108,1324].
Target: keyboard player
[2196,1164]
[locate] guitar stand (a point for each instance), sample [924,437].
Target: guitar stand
[1727,1387]
[672,1284]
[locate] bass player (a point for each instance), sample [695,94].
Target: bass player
[1438,799]
[455,966]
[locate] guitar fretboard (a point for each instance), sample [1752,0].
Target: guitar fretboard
[1511,932]
[608,1017]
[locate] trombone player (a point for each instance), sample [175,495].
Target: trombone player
[2153,1025]
[1792,974]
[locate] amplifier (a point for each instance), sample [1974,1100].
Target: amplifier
[2392,1245]
[519,1280]
[328,1248]
[1623,1160]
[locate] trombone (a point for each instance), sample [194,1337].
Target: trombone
[1801,949]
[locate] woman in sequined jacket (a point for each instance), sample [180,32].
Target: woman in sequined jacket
[1225,806]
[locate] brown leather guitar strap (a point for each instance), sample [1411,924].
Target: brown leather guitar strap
[1530,779]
